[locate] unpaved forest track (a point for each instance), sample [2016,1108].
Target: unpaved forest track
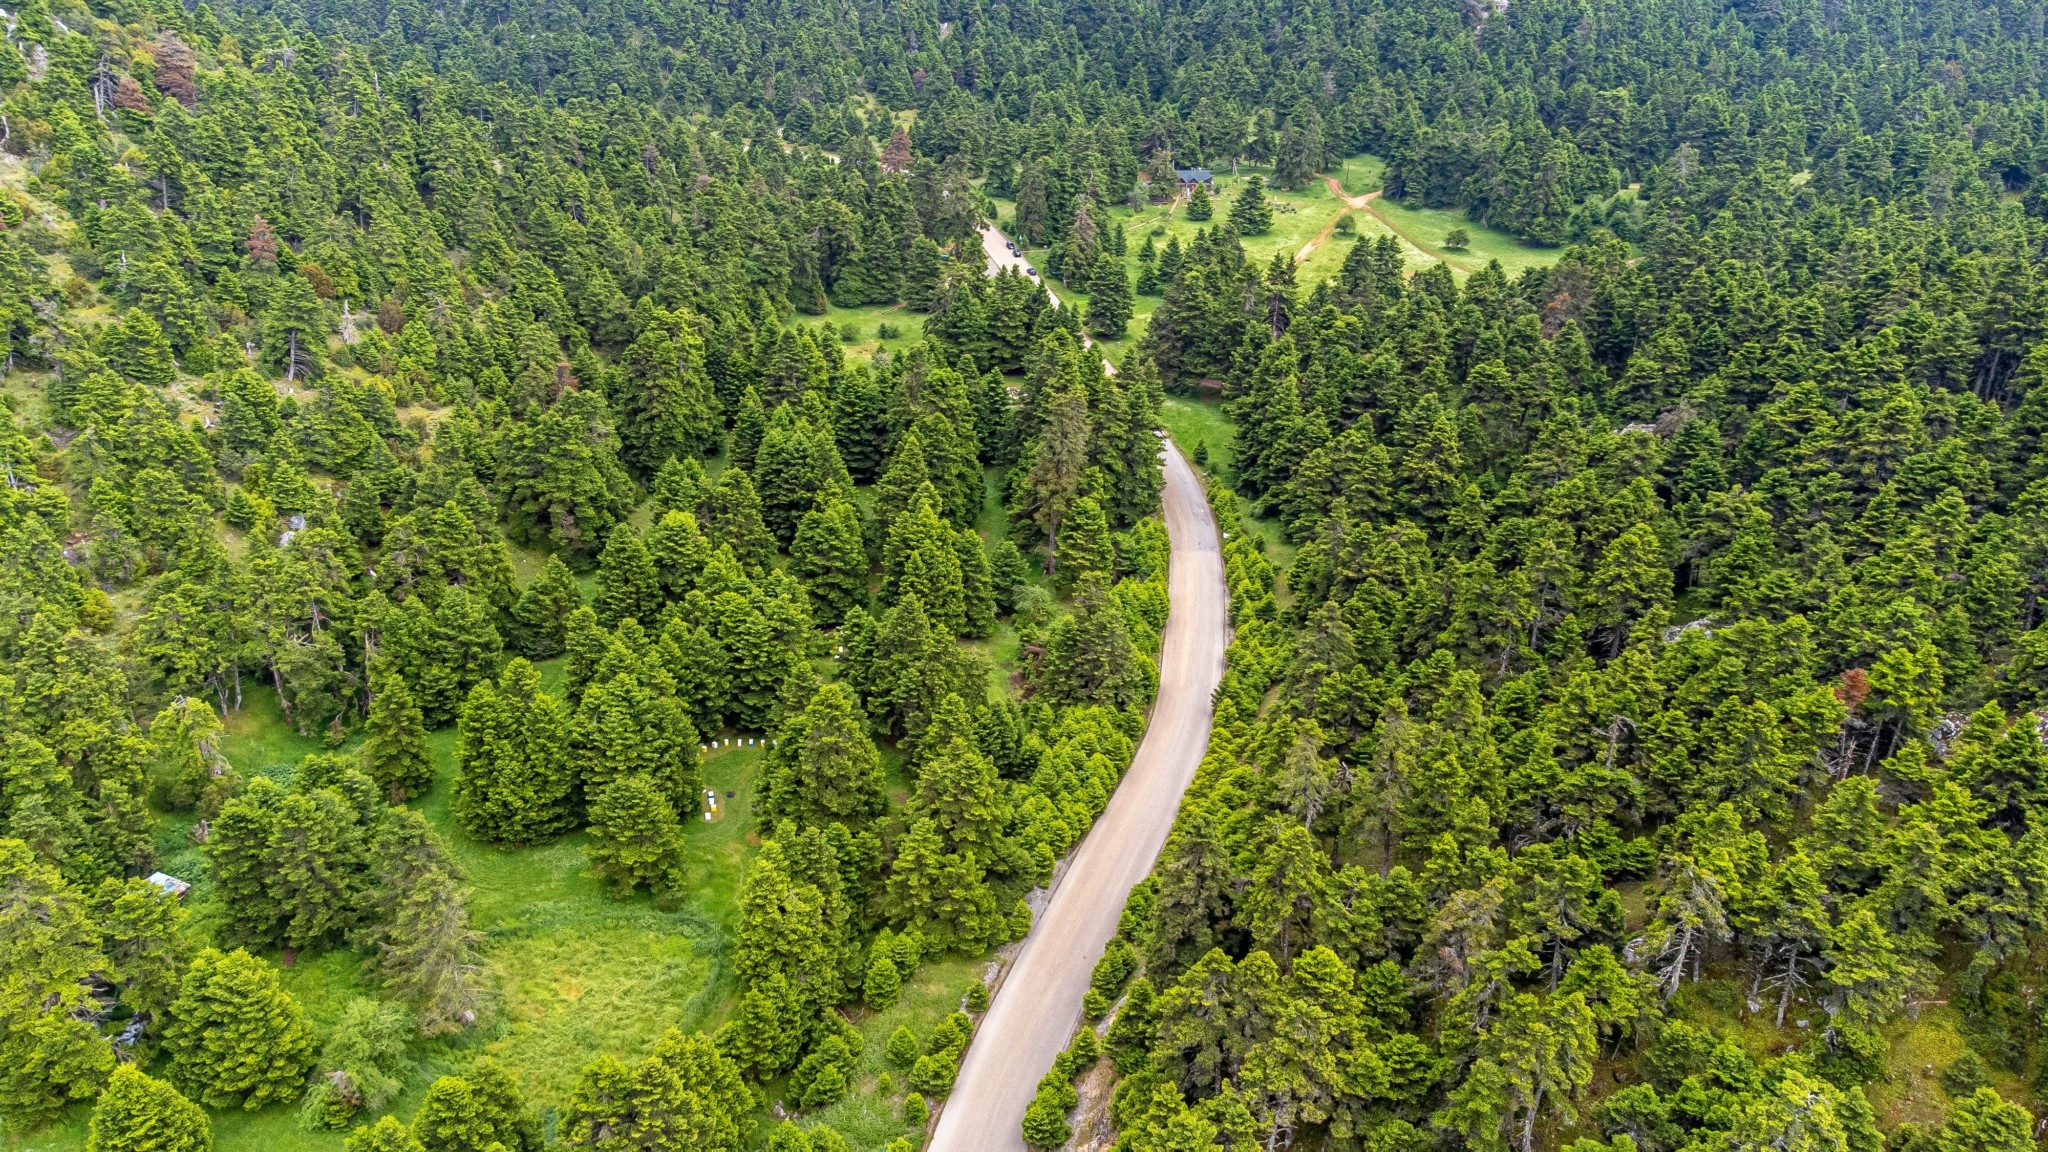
[1365,204]
[1039,1003]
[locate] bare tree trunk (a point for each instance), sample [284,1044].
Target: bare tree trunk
[1791,978]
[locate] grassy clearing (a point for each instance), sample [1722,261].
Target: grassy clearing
[1422,230]
[1193,423]
[580,974]
[865,322]
[1303,219]
[1923,1045]
[1427,227]
[574,973]
[1304,227]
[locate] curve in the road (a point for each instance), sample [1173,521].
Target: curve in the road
[1039,1003]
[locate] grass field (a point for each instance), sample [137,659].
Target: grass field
[1304,227]
[1200,423]
[865,323]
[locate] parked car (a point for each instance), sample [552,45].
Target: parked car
[1030,271]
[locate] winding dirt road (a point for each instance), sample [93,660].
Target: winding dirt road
[1035,1011]
[1365,204]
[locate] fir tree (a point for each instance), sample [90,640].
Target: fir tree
[586,643]
[137,347]
[882,985]
[1090,657]
[749,425]
[138,1113]
[1008,574]
[628,586]
[1250,214]
[294,331]
[514,776]
[957,787]
[829,556]
[293,864]
[386,1135]
[922,559]
[679,552]
[1048,487]
[635,838]
[49,951]
[426,951]
[944,896]
[627,728]
[1109,297]
[235,1035]
[479,1111]
[1085,548]
[977,584]
[823,767]
[788,958]
[735,521]
[541,613]
[395,752]
[143,934]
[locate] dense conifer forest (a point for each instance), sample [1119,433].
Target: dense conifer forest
[547,599]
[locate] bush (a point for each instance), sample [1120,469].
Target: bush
[932,1076]
[887,332]
[823,1077]
[236,1036]
[1085,1050]
[906,951]
[1045,1121]
[1020,921]
[1094,1005]
[362,1066]
[139,1113]
[903,1049]
[916,1114]
[1117,963]
[977,998]
[882,986]
[849,333]
[1848,1056]
[1457,240]
[1965,1075]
